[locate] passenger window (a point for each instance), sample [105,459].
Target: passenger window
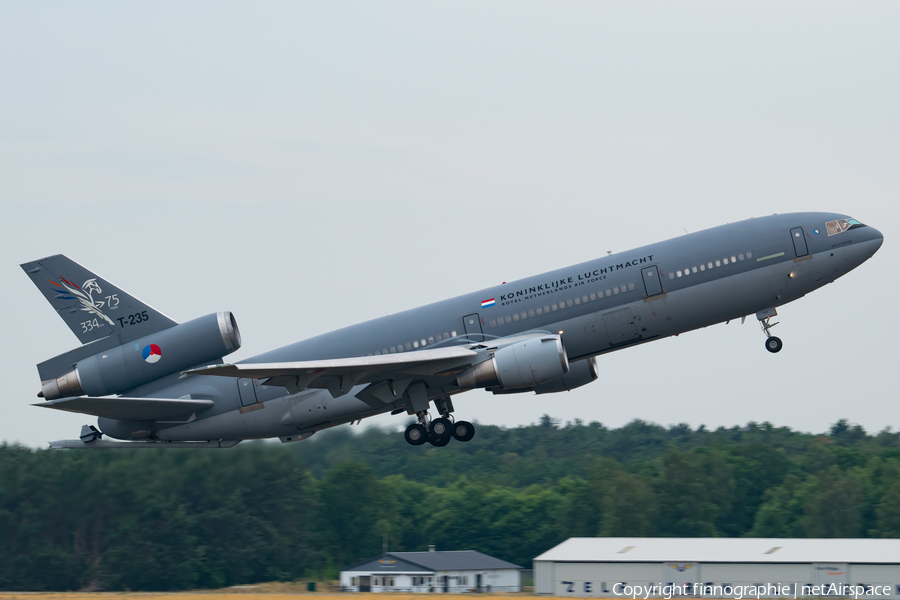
[631,286]
[430,340]
[438,337]
[678,273]
[725,261]
[546,309]
[531,312]
[408,345]
[377,353]
[384,351]
[733,260]
[671,275]
[702,267]
[593,296]
[749,255]
[687,271]
[523,314]
[553,306]
[539,311]
[393,350]
[694,269]
[741,256]
[718,263]
[452,334]
[447,335]
[493,322]
[608,294]
[616,290]
[584,299]
[709,265]
[415,344]
[577,300]
[569,303]
[623,289]
[516,317]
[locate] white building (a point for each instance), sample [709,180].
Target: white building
[432,571]
[720,567]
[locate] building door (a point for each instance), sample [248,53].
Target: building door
[478,583]
[651,281]
[799,241]
[832,576]
[472,325]
[247,391]
[365,583]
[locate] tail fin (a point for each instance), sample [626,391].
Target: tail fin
[92,307]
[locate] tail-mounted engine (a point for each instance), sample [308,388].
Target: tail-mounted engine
[123,368]
[524,364]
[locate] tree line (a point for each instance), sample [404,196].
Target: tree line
[182,519]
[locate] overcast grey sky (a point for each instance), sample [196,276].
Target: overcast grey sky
[312,165]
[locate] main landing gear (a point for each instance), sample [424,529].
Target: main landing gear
[438,432]
[773,344]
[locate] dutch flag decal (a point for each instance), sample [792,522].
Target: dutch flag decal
[487,303]
[151,353]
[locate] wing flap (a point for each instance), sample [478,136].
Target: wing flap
[296,376]
[131,409]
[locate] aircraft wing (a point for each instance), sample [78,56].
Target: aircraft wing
[340,374]
[131,409]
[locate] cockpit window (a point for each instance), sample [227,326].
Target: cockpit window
[841,225]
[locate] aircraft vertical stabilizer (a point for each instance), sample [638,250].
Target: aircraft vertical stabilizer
[92,307]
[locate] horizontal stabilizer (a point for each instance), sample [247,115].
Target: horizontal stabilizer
[130,409]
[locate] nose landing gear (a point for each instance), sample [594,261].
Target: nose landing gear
[773,344]
[438,432]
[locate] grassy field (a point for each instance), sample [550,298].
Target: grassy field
[246,593]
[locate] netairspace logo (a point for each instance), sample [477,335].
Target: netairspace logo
[769,590]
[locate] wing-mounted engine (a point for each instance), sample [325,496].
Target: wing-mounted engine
[580,373]
[127,366]
[520,364]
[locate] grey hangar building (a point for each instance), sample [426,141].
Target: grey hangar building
[617,567]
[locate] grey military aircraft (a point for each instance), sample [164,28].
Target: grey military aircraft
[155,383]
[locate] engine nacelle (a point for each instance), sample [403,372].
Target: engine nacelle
[580,373]
[125,367]
[525,364]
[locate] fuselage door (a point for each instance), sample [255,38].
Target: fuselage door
[472,326]
[247,391]
[651,281]
[799,241]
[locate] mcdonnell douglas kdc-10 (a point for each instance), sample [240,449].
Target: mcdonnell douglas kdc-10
[156,383]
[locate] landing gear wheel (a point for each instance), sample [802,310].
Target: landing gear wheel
[773,344]
[440,429]
[463,431]
[416,435]
[438,441]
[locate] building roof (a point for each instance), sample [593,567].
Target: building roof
[727,550]
[458,560]
[406,562]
